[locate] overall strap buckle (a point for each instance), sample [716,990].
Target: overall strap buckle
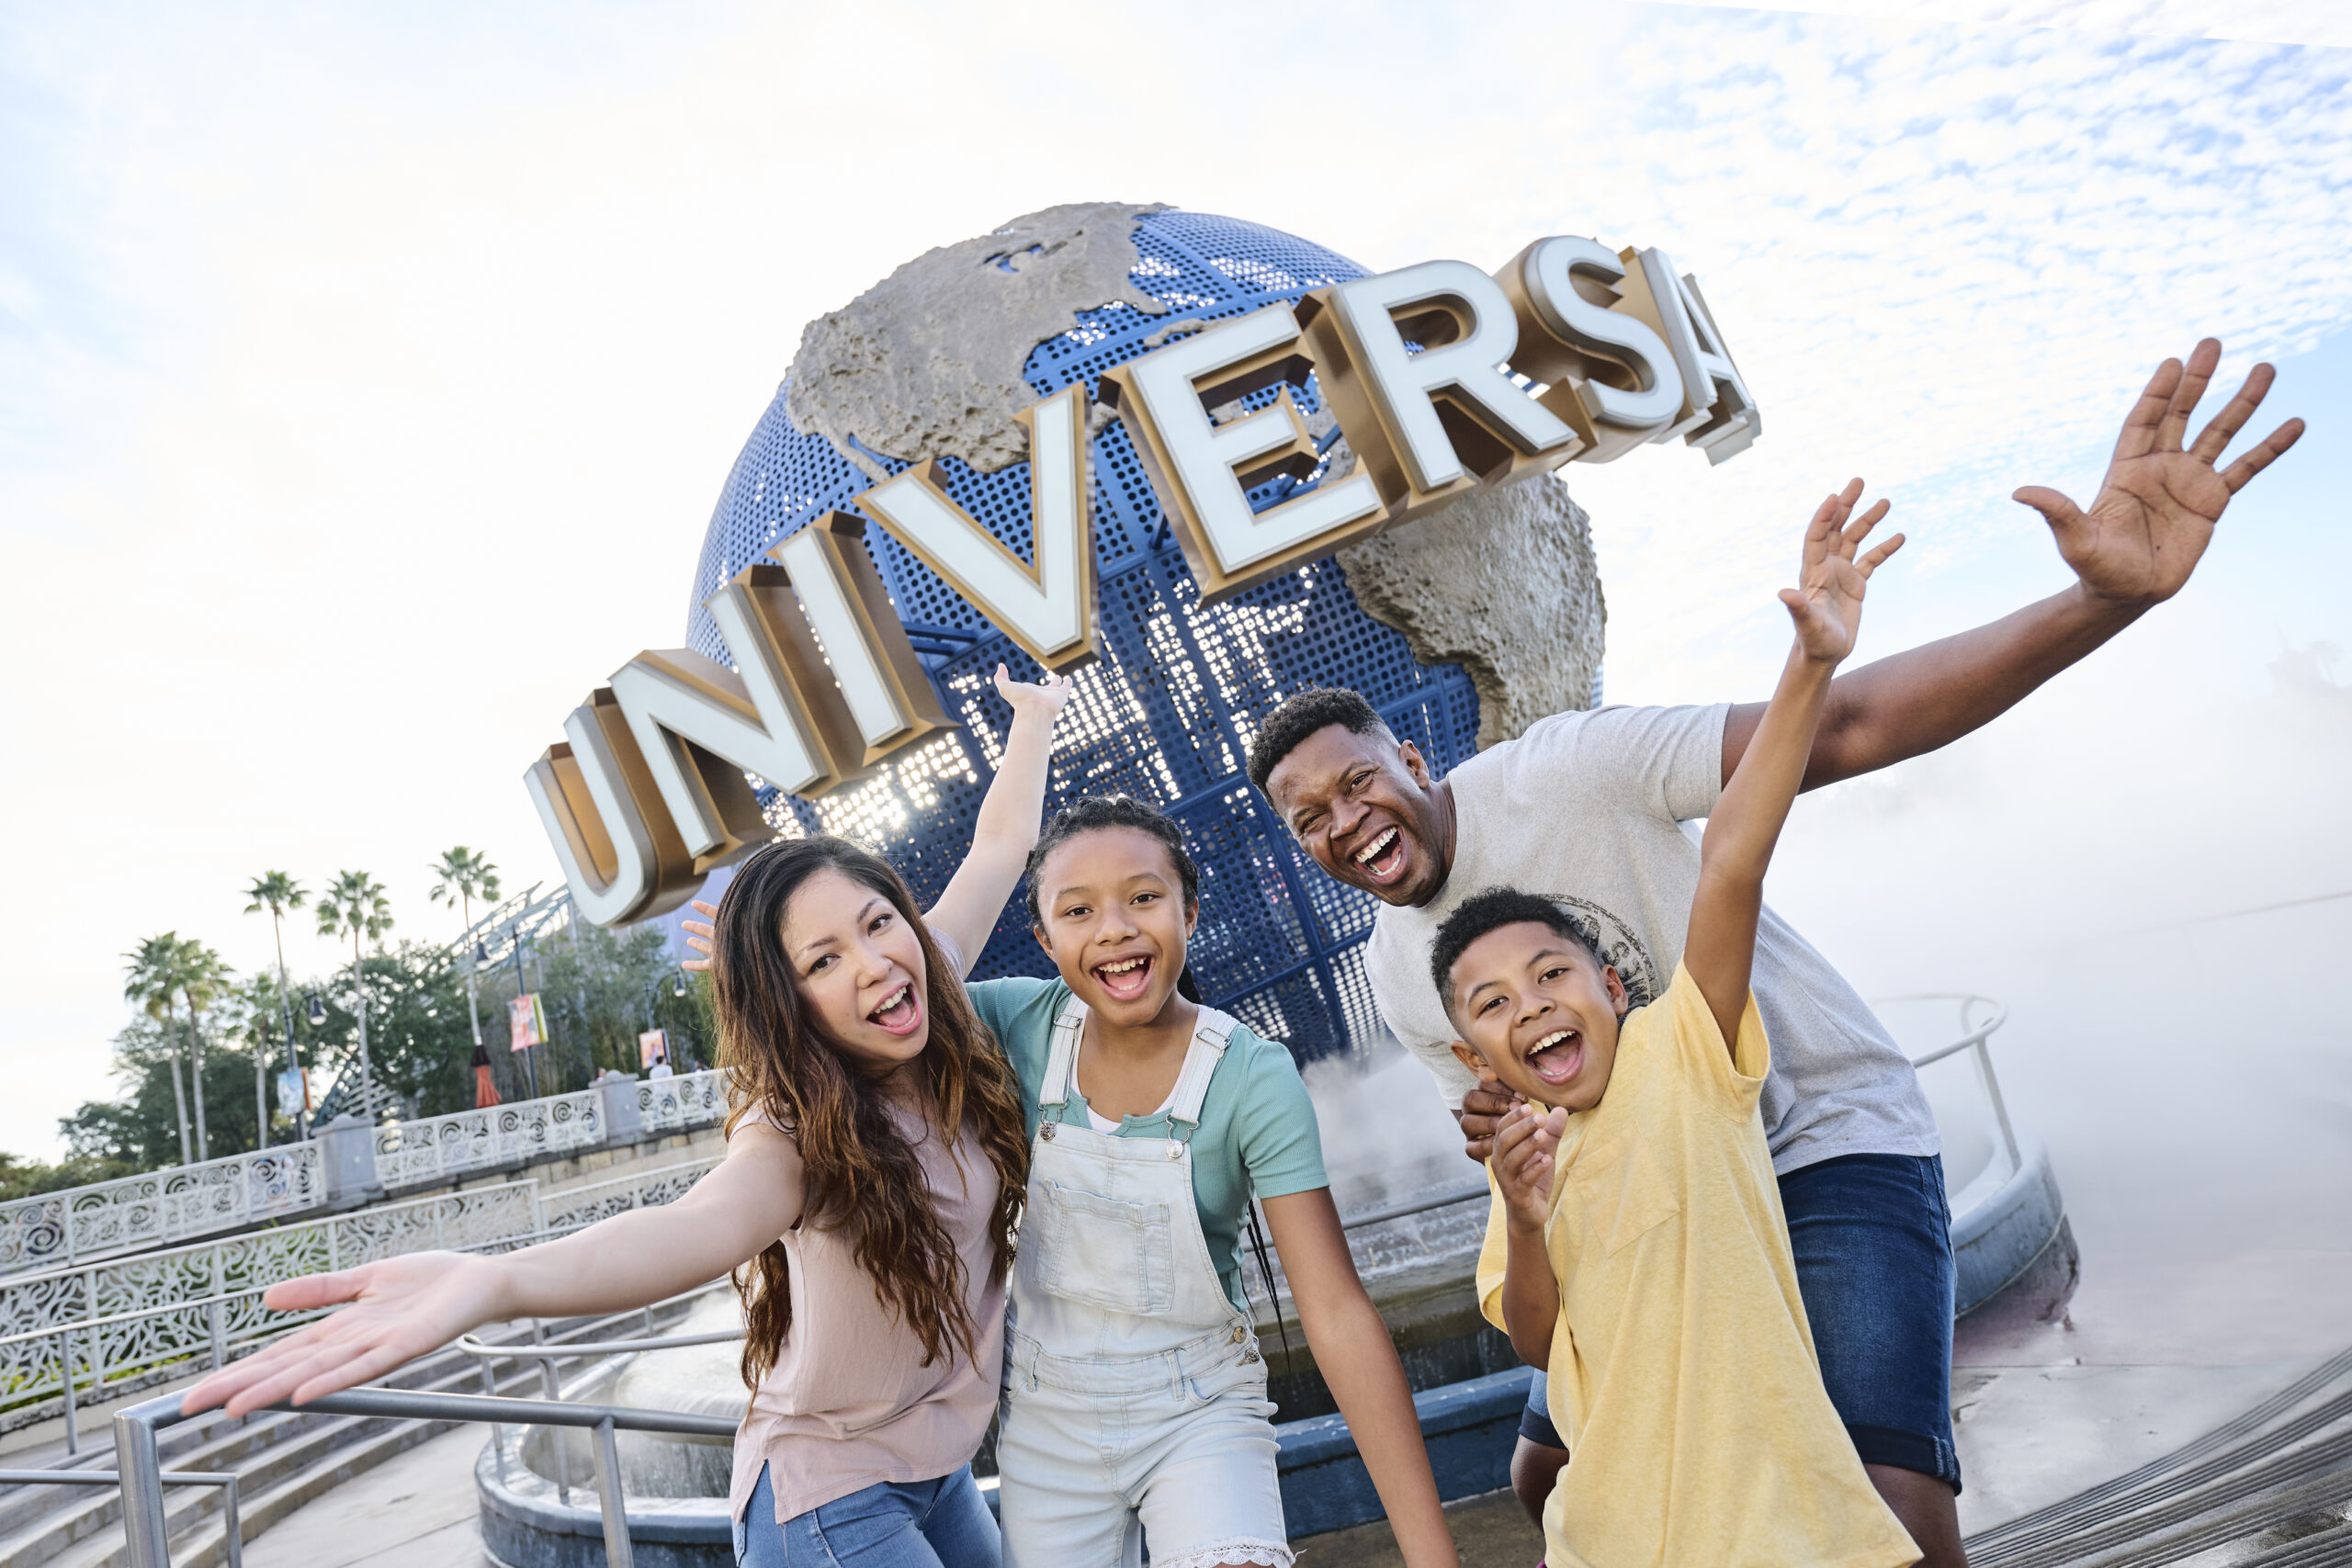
[1053,1093]
[1209,1037]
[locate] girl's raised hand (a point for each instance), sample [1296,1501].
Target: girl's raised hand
[701,933]
[1043,697]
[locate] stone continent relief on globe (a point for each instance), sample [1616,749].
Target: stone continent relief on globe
[885,539]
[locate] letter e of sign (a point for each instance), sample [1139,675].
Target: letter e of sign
[1202,471]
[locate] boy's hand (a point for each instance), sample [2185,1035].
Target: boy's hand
[1482,1113]
[1043,697]
[1826,604]
[1524,1146]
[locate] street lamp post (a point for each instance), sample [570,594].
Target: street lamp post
[317,1014]
[676,974]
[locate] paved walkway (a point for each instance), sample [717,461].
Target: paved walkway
[415,1509]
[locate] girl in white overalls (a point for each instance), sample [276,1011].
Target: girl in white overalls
[1135,1412]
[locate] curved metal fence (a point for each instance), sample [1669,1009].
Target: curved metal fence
[71,1334]
[159,1207]
[163,1208]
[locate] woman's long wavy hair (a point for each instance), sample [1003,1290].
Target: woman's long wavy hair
[862,1178]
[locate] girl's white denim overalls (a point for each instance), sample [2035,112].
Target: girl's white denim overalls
[1134,1399]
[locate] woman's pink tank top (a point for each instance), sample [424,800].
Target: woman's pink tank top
[849,1402]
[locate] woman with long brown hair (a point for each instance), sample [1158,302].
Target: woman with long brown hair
[876,1157]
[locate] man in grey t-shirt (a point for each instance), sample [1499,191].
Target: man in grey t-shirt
[1587,807]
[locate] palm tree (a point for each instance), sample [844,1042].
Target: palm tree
[151,978]
[465,875]
[202,977]
[354,905]
[276,892]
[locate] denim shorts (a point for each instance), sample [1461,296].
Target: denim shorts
[892,1524]
[1872,1239]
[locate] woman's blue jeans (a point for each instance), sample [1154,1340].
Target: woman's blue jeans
[892,1524]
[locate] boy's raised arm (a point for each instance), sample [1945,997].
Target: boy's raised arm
[1827,606]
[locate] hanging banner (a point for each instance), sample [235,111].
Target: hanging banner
[652,1046]
[294,1091]
[527,1021]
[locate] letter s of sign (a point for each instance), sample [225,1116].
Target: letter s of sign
[1608,375]
[1717,414]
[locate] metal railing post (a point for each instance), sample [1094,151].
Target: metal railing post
[98,1340]
[228,1520]
[65,1366]
[136,1463]
[617,1550]
[213,1315]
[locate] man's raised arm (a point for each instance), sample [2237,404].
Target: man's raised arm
[2134,548]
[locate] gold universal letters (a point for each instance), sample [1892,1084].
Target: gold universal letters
[1571,352]
[1049,607]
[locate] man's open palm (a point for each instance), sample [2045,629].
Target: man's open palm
[2155,511]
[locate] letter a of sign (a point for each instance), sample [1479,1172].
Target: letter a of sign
[1047,607]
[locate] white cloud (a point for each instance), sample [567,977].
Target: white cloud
[2261,21]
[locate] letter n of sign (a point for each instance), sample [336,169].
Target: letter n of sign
[647,794]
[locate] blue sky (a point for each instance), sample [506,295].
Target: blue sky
[366,375]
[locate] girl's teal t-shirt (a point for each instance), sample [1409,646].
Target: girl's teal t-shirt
[1256,1124]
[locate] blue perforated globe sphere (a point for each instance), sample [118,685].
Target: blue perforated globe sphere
[1169,713]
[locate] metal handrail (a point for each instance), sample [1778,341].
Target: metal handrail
[1976,1038]
[140,1465]
[473,1346]
[224,1480]
[1412,1206]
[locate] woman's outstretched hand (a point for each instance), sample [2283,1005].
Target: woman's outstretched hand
[401,1308]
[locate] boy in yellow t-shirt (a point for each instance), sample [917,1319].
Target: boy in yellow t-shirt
[1636,1247]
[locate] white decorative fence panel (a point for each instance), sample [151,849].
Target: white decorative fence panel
[160,1207]
[109,1322]
[164,1207]
[689,1099]
[410,1153]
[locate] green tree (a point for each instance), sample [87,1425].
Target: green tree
[276,892]
[461,876]
[137,1129]
[355,905]
[150,978]
[202,977]
[22,1178]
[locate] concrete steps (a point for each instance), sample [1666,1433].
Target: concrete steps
[2271,1488]
[282,1460]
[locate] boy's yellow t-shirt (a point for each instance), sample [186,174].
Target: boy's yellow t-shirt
[1682,1372]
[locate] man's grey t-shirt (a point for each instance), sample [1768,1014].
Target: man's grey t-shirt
[1585,809]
